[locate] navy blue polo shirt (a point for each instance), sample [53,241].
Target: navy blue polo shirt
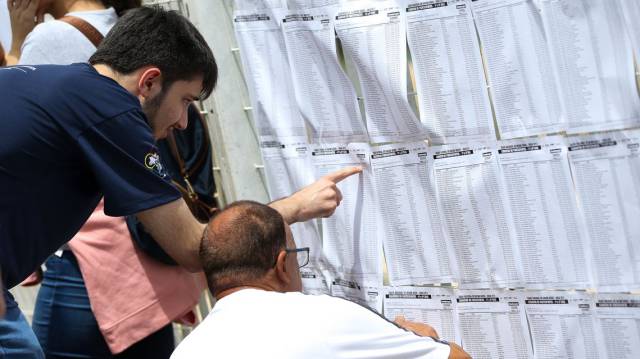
[68,136]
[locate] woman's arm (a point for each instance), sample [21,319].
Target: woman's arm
[23,20]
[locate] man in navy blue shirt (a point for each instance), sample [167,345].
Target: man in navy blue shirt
[70,135]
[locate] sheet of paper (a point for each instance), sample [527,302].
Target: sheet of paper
[315,281]
[562,325]
[550,231]
[415,245]
[618,318]
[325,95]
[374,41]
[523,86]
[370,297]
[268,76]
[594,62]
[631,12]
[452,90]
[606,173]
[310,4]
[493,324]
[476,216]
[176,5]
[428,305]
[259,4]
[288,168]
[351,239]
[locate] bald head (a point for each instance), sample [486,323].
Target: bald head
[242,245]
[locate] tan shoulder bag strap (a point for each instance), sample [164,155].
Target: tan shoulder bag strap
[88,30]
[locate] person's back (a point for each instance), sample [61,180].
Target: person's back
[253,323]
[59,131]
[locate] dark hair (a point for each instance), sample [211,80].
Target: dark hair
[241,243]
[153,36]
[120,6]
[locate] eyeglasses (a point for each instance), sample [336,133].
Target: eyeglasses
[302,254]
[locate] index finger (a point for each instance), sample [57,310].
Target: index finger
[339,175]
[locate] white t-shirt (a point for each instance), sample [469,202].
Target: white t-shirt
[56,42]
[254,323]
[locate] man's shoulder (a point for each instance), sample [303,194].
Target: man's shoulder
[82,84]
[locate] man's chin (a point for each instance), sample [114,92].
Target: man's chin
[161,135]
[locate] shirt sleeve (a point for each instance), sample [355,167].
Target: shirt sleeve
[123,157]
[362,333]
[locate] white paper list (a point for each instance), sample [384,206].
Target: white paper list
[606,173]
[325,96]
[550,231]
[310,4]
[523,85]
[428,305]
[288,168]
[414,241]
[452,90]
[631,13]
[618,318]
[351,242]
[493,324]
[356,292]
[268,76]
[476,216]
[314,280]
[259,4]
[562,325]
[374,41]
[594,62]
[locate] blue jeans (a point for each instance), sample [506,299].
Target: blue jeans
[66,327]
[17,340]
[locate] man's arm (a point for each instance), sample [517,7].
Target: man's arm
[318,199]
[176,230]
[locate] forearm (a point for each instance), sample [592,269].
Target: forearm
[13,56]
[176,230]
[287,208]
[11,59]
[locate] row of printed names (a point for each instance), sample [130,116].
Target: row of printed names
[515,323]
[548,69]
[538,213]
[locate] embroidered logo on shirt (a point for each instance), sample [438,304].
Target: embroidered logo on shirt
[152,161]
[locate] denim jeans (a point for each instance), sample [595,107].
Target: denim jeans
[17,340]
[66,327]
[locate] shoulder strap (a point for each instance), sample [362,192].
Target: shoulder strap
[2,58]
[85,28]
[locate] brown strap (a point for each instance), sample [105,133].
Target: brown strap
[2,58]
[88,30]
[171,140]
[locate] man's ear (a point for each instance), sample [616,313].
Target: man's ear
[150,82]
[281,269]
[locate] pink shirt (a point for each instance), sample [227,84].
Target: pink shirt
[131,294]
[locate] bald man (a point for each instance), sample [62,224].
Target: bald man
[252,267]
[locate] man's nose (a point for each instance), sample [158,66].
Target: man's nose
[183,121]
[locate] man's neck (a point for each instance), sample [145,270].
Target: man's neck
[225,292]
[128,82]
